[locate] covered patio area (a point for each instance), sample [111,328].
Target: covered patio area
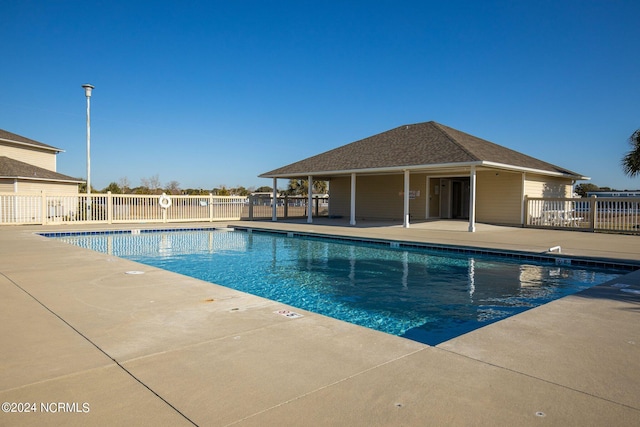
[428,171]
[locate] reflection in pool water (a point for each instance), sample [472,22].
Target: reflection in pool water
[427,296]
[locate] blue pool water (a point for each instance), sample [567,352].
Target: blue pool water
[427,296]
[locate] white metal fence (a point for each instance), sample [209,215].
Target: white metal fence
[16,208]
[612,214]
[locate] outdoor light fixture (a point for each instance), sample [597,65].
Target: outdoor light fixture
[87,92]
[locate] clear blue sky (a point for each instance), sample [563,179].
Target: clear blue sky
[211,93]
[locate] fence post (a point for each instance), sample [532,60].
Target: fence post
[109,207]
[286,206]
[594,212]
[211,207]
[43,206]
[251,199]
[525,211]
[164,213]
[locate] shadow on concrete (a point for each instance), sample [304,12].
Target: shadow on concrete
[624,289]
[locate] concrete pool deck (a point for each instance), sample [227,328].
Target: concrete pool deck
[94,345]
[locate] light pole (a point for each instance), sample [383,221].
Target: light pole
[87,92]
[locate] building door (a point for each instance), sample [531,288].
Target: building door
[460,188]
[445,198]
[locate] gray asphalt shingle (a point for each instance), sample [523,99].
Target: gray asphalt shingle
[11,168]
[421,144]
[12,137]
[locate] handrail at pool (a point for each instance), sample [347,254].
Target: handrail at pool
[610,214]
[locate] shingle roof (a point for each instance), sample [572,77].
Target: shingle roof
[11,168]
[12,137]
[422,144]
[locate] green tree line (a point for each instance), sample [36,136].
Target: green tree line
[153,186]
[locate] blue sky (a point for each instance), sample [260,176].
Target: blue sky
[211,93]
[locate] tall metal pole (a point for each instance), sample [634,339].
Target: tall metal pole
[87,92]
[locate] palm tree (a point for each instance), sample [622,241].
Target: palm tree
[631,162]
[299,187]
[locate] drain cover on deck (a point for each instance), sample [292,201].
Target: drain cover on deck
[134,272]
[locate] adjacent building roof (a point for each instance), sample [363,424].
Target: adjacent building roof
[21,140]
[428,145]
[15,169]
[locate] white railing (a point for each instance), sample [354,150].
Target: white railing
[614,214]
[261,206]
[17,208]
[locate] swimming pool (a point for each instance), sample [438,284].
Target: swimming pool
[428,296]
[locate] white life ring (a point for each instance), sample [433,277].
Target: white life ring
[164,201]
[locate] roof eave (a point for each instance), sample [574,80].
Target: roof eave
[42,147]
[534,170]
[30,178]
[371,170]
[425,168]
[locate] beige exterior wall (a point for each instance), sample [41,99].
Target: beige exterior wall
[498,197]
[7,186]
[48,188]
[500,194]
[339,193]
[43,159]
[418,200]
[540,186]
[378,197]
[434,198]
[543,186]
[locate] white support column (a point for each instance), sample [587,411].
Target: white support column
[310,201]
[274,205]
[472,200]
[352,220]
[405,224]
[522,198]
